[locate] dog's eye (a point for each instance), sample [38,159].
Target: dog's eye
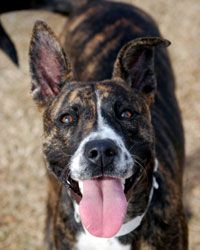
[126,115]
[68,119]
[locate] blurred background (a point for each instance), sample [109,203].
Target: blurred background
[22,173]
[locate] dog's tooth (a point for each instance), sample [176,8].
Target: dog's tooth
[123,183]
[80,184]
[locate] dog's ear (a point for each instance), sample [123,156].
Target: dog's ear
[50,67]
[135,65]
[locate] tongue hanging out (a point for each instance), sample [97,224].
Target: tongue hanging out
[103,206]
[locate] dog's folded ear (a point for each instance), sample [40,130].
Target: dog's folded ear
[135,65]
[50,67]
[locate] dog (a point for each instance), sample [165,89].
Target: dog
[113,136]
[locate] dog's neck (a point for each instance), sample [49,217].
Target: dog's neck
[134,223]
[131,225]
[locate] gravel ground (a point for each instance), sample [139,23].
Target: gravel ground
[22,174]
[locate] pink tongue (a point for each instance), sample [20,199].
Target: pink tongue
[103,206]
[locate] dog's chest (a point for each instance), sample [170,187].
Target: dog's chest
[89,242]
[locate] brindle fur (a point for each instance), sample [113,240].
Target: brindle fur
[95,34]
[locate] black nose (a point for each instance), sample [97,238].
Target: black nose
[100,152]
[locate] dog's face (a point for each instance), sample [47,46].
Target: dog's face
[98,135]
[99,127]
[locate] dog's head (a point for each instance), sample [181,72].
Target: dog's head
[99,139]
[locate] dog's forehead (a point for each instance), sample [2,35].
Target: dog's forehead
[84,92]
[86,95]
[104,88]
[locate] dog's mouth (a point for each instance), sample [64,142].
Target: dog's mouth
[103,202]
[127,184]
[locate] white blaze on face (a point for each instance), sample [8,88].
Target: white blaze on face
[124,162]
[100,197]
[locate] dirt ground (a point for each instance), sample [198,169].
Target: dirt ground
[22,174]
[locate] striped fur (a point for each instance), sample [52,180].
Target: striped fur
[95,33]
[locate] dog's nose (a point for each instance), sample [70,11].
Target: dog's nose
[101,152]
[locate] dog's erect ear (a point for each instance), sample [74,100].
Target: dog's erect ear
[135,65]
[49,65]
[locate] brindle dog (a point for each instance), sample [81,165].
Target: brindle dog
[113,137]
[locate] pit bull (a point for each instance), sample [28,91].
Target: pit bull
[113,136]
